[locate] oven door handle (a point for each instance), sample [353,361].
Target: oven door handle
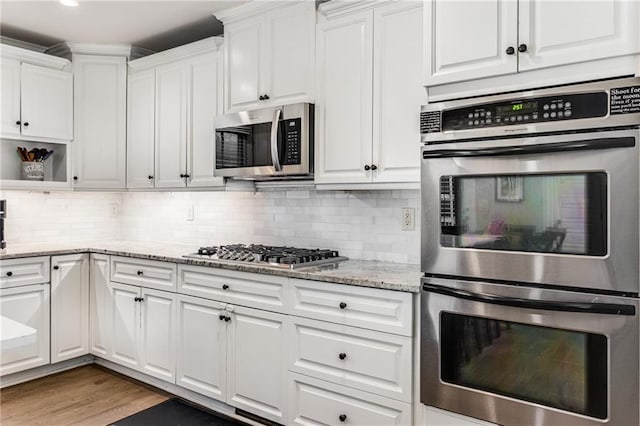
[587,308]
[605,143]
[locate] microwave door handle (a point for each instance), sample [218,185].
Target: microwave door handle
[545,305]
[605,143]
[275,155]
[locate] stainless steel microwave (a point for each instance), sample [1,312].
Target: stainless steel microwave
[267,143]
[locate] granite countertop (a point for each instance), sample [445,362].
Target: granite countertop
[365,273]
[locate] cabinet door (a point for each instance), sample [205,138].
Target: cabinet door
[69,306]
[289,67]
[99,306]
[157,338]
[205,79]
[10,95]
[397,92]
[141,98]
[100,102]
[47,102]
[172,86]
[256,362]
[25,328]
[245,56]
[344,99]
[125,320]
[201,346]
[566,32]
[465,40]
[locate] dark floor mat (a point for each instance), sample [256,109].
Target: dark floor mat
[174,412]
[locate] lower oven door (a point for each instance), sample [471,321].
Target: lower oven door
[529,356]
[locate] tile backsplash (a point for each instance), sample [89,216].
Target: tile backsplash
[360,224]
[49,217]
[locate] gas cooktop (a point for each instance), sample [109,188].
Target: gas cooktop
[281,257]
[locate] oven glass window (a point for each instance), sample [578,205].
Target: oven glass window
[553,367]
[559,213]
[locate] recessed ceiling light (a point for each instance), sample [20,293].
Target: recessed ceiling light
[70,3]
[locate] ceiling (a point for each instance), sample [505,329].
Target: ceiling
[154,25]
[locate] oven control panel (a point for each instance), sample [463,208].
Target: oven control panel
[526,111]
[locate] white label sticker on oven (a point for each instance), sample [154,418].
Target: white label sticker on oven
[624,100]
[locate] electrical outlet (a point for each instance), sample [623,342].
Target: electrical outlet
[190,213]
[408,219]
[115,209]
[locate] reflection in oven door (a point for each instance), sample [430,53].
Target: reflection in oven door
[505,354]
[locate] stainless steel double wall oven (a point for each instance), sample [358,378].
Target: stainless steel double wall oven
[530,253]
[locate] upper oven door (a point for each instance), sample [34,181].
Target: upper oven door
[516,355]
[559,210]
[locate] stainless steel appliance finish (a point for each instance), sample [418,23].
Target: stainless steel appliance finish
[589,196]
[434,128]
[265,144]
[532,356]
[530,254]
[279,257]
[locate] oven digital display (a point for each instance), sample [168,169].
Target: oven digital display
[520,107]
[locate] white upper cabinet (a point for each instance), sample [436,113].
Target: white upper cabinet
[46,98]
[206,101]
[564,32]
[141,129]
[397,92]
[171,125]
[269,54]
[369,94]
[10,111]
[100,100]
[467,40]
[343,105]
[173,98]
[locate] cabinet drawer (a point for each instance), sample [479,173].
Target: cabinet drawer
[315,402]
[367,360]
[376,309]
[242,288]
[24,271]
[145,273]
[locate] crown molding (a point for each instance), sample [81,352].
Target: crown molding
[22,44]
[207,45]
[32,57]
[252,8]
[341,7]
[99,49]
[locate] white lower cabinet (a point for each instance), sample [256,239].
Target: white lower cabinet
[234,354]
[256,362]
[143,329]
[99,306]
[69,306]
[202,346]
[316,402]
[125,324]
[25,327]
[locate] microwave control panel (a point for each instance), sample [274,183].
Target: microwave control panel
[526,111]
[292,138]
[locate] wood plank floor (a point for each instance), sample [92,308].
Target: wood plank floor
[87,395]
